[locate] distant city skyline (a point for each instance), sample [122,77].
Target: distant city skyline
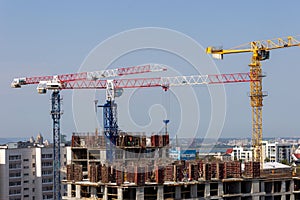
[43,38]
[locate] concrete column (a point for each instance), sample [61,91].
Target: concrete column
[255,198]
[207,190]
[160,192]
[124,155]
[283,197]
[292,197]
[120,193]
[292,186]
[178,192]
[78,188]
[139,193]
[194,191]
[93,192]
[132,192]
[220,189]
[105,193]
[262,186]
[69,190]
[239,187]
[163,153]
[283,186]
[255,186]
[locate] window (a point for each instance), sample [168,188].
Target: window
[26,167]
[25,160]
[26,195]
[14,157]
[48,172]
[33,164]
[47,196]
[46,155]
[33,189]
[26,181]
[26,189]
[26,174]
[47,180]
[46,164]
[14,175]
[15,166]
[15,191]
[17,183]
[48,188]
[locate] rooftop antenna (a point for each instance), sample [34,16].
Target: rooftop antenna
[176,140]
[166,121]
[96,129]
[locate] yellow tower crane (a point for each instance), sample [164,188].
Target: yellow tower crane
[260,51]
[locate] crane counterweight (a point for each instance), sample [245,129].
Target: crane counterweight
[18,82]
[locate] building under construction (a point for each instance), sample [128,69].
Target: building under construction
[142,169]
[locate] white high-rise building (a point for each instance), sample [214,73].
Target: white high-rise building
[269,151]
[26,171]
[276,152]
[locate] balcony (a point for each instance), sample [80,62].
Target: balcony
[47,189]
[15,192]
[15,176]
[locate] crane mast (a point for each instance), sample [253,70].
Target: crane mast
[110,120]
[256,100]
[56,113]
[260,51]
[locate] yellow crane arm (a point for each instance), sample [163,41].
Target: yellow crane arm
[216,50]
[260,45]
[277,43]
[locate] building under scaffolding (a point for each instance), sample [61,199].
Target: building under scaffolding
[142,169]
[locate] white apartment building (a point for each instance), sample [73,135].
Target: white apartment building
[276,152]
[239,153]
[269,151]
[26,171]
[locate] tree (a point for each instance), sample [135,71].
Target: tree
[285,162]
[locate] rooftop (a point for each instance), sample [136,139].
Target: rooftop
[273,165]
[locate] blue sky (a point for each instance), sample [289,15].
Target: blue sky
[54,37]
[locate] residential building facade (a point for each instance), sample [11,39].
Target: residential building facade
[241,153]
[277,152]
[284,153]
[26,171]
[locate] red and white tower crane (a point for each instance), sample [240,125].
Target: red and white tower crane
[100,80]
[57,83]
